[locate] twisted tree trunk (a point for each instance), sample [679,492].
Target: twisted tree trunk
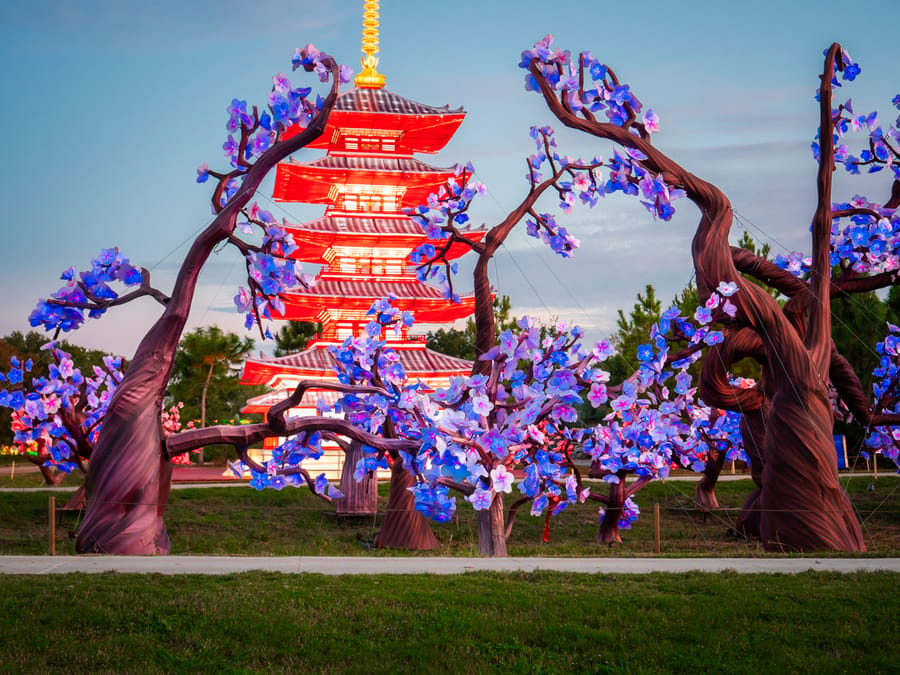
[492,529]
[360,497]
[753,432]
[127,485]
[803,505]
[403,526]
[705,490]
[612,514]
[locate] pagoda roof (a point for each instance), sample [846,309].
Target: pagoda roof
[262,403]
[418,361]
[313,182]
[385,101]
[420,127]
[337,293]
[316,237]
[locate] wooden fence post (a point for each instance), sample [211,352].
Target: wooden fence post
[52,525]
[656,524]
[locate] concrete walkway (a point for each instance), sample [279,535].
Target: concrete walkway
[398,565]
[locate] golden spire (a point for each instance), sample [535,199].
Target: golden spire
[369,78]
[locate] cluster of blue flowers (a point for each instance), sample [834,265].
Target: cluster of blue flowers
[61,414]
[590,87]
[85,292]
[657,421]
[521,416]
[287,106]
[870,242]
[881,439]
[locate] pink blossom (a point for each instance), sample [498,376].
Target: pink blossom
[481,405]
[481,499]
[727,288]
[581,183]
[501,479]
[597,395]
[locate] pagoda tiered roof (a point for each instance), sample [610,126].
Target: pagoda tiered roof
[317,362]
[393,231]
[261,404]
[357,295]
[314,182]
[416,126]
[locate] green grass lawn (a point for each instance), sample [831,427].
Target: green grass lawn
[542,622]
[474,623]
[242,521]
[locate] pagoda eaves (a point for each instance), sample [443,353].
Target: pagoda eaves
[316,361]
[408,126]
[342,295]
[318,239]
[407,182]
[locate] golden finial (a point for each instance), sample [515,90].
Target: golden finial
[369,78]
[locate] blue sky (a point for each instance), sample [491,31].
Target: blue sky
[109,107]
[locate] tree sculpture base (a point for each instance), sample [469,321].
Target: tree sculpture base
[614,508]
[492,530]
[802,504]
[748,523]
[403,526]
[360,497]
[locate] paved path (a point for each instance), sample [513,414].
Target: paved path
[397,565]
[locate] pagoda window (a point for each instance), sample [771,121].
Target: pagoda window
[345,329]
[357,142]
[370,145]
[352,201]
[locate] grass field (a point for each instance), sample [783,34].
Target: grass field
[480,622]
[242,521]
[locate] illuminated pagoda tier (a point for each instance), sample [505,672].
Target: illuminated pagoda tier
[363,241]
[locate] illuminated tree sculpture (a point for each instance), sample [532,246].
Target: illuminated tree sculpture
[59,417]
[683,429]
[658,421]
[787,417]
[467,438]
[129,476]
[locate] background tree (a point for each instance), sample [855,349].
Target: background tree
[207,361]
[206,377]
[461,343]
[293,336]
[633,331]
